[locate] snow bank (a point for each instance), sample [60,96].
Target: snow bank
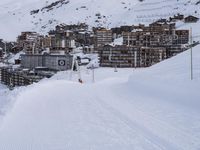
[171,79]
[76,120]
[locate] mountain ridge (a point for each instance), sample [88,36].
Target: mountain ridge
[42,16]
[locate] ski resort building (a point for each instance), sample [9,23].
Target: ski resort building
[119,56]
[142,45]
[103,37]
[152,55]
[30,42]
[68,37]
[12,78]
[131,56]
[61,40]
[52,62]
[158,34]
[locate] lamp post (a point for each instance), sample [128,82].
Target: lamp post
[93,78]
[191,55]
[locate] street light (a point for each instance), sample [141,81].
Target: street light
[191,55]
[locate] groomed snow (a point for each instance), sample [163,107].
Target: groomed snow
[142,109]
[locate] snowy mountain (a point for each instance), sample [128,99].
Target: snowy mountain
[43,15]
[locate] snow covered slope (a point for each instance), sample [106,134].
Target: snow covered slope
[5,98]
[153,109]
[15,15]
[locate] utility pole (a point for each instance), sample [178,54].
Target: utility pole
[72,69]
[135,55]
[191,55]
[93,80]
[115,70]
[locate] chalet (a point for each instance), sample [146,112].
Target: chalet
[191,19]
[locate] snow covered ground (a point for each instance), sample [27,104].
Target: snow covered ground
[4,100]
[144,109]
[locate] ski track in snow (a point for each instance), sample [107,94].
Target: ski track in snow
[158,124]
[154,140]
